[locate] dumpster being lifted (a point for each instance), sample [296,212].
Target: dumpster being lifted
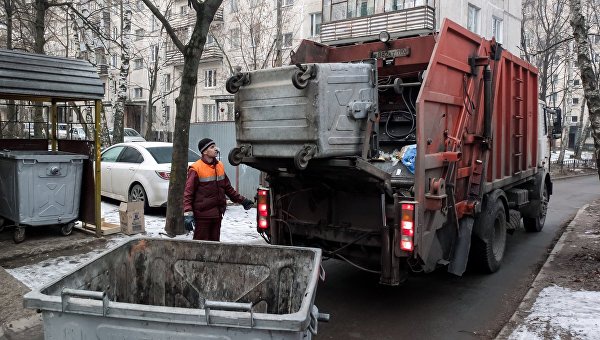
[40,188]
[172,289]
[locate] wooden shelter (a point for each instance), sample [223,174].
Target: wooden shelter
[47,79]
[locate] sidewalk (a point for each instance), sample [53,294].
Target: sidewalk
[564,299]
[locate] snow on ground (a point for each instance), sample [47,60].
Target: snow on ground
[239,226]
[568,153]
[561,313]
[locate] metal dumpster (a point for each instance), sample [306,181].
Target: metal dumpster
[173,289]
[324,116]
[39,188]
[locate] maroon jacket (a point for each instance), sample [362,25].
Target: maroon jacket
[205,190]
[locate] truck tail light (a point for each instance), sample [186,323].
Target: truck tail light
[407,226]
[263,211]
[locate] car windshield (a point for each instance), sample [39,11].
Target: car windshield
[163,154]
[131,133]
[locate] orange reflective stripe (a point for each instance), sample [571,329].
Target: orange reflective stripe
[206,173]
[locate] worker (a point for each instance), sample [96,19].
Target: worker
[204,200]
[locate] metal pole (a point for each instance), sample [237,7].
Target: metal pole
[97,170]
[53,119]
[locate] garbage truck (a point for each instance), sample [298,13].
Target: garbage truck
[398,155]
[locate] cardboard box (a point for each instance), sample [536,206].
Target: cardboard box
[132,218]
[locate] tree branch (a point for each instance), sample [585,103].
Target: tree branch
[166,24]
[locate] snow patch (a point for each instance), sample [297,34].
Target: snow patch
[561,312]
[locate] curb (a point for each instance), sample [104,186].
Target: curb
[573,176]
[534,289]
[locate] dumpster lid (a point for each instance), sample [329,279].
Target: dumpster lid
[29,154]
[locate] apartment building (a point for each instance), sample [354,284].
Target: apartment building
[243,36]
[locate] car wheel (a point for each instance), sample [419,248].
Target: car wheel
[67,229]
[19,234]
[138,194]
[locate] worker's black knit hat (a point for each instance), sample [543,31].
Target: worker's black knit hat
[204,144]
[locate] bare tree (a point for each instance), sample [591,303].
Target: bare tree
[192,51]
[588,77]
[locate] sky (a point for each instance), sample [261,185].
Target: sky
[558,313]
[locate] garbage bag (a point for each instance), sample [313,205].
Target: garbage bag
[409,157]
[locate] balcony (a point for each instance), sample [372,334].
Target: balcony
[410,21]
[210,53]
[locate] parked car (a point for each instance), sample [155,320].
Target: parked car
[129,135]
[77,133]
[139,171]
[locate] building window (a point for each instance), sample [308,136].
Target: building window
[153,53]
[140,6]
[167,115]
[234,6]
[573,119]
[575,101]
[183,10]
[167,82]
[229,111]
[473,19]
[210,112]
[209,40]
[115,34]
[287,40]
[139,34]
[153,23]
[315,24]
[287,2]
[138,64]
[138,92]
[210,78]
[235,37]
[497,25]
[113,60]
[576,82]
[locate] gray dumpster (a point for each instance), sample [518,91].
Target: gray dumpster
[176,289]
[40,188]
[325,116]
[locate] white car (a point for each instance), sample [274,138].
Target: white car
[139,171]
[129,135]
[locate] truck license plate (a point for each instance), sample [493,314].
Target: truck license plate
[400,52]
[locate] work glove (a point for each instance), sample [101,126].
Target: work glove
[247,204]
[188,221]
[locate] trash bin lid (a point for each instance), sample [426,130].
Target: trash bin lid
[41,156]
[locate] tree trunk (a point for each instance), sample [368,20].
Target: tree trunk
[149,112]
[580,128]
[588,77]
[192,53]
[40,7]
[123,87]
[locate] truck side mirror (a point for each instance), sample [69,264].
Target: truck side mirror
[557,124]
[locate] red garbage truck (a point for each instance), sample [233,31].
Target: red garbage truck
[398,156]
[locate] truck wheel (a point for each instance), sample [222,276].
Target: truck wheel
[297,81]
[535,224]
[487,248]
[235,156]
[19,235]
[67,229]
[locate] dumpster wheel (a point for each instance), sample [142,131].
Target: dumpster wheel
[19,234]
[67,229]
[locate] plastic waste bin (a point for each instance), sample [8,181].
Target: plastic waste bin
[40,188]
[181,289]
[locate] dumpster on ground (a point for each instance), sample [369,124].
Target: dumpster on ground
[177,289]
[39,188]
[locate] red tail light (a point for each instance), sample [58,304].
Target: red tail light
[407,226]
[262,217]
[164,174]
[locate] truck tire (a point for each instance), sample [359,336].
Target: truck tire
[487,248]
[536,224]
[19,234]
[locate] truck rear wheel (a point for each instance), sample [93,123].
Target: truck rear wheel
[487,248]
[535,224]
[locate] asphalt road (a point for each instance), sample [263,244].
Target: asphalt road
[439,305]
